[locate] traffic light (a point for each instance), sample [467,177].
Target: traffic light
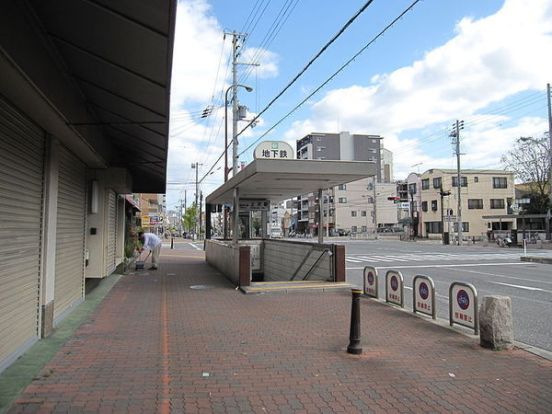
[395,199]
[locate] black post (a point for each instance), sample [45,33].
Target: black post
[172,242]
[354,336]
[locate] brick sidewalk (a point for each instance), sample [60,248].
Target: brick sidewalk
[157,345]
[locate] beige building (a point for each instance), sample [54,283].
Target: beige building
[482,193]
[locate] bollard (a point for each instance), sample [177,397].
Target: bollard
[354,335]
[172,242]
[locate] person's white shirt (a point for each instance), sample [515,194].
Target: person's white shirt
[151,241]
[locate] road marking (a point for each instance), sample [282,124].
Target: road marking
[518,286]
[195,247]
[508,277]
[446,265]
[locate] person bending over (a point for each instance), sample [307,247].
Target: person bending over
[153,243]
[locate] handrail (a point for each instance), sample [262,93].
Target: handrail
[316,263]
[302,263]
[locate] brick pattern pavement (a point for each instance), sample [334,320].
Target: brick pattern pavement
[157,345]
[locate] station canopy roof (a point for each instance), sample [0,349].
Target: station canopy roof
[282,179]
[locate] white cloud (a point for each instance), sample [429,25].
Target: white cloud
[487,61]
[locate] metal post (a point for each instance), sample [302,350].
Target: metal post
[354,334]
[196,195]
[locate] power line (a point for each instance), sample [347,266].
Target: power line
[309,64]
[409,8]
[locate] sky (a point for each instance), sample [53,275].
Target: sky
[486,62]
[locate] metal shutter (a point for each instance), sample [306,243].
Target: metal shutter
[21,193]
[69,283]
[111,232]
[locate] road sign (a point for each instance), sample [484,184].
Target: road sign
[463,305]
[423,298]
[371,281]
[394,288]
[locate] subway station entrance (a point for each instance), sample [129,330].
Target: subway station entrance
[253,260]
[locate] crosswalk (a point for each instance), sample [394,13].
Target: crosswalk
[435,257]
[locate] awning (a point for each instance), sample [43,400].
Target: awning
[131,202]
[95,74]
[281,179]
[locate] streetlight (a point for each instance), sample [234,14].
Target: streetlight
[234,132]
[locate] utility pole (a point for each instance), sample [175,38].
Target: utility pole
[456,135]
[200,212]
[234,104]
[196,166]
[548,236]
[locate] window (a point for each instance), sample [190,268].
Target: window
[463,181]
[500,182]
[433,227]
[342,200]
[412,188]
[424,205]
[425,184]
[372,150]
[497,203]
[433,205]
[363,213]
[318,149]
[354,229]
[475,204]
[437,182]
[475,179]
[342,187]
[364,229]
[465,226]
[353,213]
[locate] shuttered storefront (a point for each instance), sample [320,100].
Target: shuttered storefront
[21,193]
[111,229]
[69,284]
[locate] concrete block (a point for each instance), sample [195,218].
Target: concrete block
[495,323]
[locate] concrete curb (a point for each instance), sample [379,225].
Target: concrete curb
[543,260]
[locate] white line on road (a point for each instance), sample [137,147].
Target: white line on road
[195,247]
[438,266]
[508,277]
[518,286]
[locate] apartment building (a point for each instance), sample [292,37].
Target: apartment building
[482,193]
[351,207]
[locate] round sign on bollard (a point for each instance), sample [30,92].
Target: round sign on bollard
[463,305]
[423,295]
[394,288]
[371,281]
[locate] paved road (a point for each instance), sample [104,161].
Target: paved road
[493,271]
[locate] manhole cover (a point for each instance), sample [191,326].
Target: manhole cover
[200,287]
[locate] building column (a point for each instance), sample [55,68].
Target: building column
[49,237]
[236,216]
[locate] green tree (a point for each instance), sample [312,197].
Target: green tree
[189,218]
[529,160]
